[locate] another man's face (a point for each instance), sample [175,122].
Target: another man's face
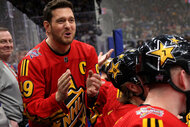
[6,45]
[63,26]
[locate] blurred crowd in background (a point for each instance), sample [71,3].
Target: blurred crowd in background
[142,19]
[138,19]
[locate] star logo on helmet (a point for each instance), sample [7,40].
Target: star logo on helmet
[114,69]
[163,53]
[121,56]
[108,62]
[174,40]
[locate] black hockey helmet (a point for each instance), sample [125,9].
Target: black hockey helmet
[103,68]
[161,53]
[123,69]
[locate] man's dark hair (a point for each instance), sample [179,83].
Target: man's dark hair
[4,29]
[54,4]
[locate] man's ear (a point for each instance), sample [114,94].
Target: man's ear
[132,87]
[47,26]
[183,80]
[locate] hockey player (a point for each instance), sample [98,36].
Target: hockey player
[125,93]
[165,67]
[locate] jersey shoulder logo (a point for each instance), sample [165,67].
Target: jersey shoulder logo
[34,53]
[144,111]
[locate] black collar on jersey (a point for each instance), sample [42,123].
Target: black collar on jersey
[144,105]
[59,54]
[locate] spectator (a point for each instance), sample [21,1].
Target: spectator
[187,37]
[19,55]
[164,66]
[139,43]
[144,19]
[4,122]
[10,97]
[58,75]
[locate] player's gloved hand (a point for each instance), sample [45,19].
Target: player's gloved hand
[63,86]
[93,83]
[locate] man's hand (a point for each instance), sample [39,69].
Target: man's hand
[102,58]
[63,86]
[93,83]
[14,123]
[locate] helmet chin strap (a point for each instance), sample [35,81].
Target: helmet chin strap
[187,93]
[142,96]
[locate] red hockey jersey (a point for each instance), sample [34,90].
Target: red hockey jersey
[109,119]
[149,116]
[38,74]
[107,115]
[112,97]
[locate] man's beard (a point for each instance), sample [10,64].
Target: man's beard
[60,40]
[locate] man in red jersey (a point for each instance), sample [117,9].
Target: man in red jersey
[60,74]
[122,73]
[165,66]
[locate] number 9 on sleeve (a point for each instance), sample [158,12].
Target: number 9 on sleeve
[28,87]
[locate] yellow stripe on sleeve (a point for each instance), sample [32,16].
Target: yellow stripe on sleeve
[160,122]
[145,122]
[21,69]
[24,68]
[27,62]
[152,122]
